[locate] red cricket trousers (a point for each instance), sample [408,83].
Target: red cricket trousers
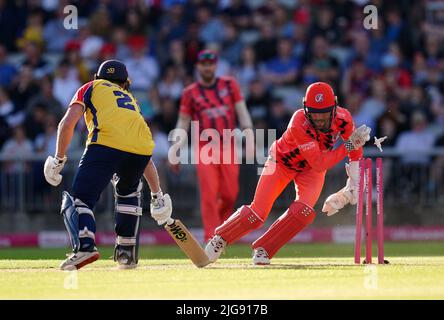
[219,187]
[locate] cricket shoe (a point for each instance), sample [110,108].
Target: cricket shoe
[77,260]
[215,247]
[260,257]
[124,258]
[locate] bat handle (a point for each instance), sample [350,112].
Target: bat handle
[170,221]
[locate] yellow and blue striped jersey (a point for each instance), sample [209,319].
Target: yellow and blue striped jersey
[113,117]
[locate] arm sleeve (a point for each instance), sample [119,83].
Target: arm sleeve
[348,128]
[186,104]
[317,159]
[79,96]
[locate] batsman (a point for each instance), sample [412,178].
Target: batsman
[118,149]
[303,155]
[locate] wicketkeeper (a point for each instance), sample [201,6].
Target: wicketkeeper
[118,149]
[303,155]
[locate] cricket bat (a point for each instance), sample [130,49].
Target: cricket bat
[187,242]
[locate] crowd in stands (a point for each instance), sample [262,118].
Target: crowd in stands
[390,78]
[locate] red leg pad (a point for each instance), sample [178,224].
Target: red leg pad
[239,224]
[296,218]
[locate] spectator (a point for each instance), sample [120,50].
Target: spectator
[90,45]
[24,87]
[33,32]
[9,21]
[17,148]
[282,23]
[7,70]
[210,26]
[167,117]
[55,34]
[357,79]
[143,69]
[239,13]
[248,69]
[415,143]
[325,25]
[120,40]
[9,116]
[279,116]
[34,59]
[64,85]
[108,52]
[170,86]
[321,66]
[45,98]
[396,78]
[231,44]
[258,102]
[35,120]
[265,47]
[177,58]
[134,23]
[375,105]
[283,69]
[172,24]
[78,68]
[300,40]
[45,143]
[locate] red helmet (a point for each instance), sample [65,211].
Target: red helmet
[319,98]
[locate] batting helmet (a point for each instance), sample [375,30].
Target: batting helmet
[112,70]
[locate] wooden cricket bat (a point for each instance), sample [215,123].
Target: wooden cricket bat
[187,242]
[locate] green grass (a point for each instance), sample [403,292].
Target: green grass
[299,271]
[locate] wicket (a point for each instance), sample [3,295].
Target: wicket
[366,185]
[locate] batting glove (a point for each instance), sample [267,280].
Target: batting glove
[161,207]
[52,169]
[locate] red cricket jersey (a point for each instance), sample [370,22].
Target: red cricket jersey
[301,147]
[214,106]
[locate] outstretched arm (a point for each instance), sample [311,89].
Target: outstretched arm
[161,206]
[54,165]
[66,128]
[151,177]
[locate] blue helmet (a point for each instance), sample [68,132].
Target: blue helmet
[112,70]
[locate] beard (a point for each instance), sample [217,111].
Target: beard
[207,77]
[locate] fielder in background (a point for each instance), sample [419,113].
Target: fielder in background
[303,155]
[215,103]
[118,149]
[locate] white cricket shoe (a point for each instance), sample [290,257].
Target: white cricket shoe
[79,260]
[260,257]
[215,247]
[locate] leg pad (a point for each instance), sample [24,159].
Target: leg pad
[243,221]
[296,218]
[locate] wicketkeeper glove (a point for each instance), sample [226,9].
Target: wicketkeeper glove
[358,138]
[52,169]
[161,207]
[347,195]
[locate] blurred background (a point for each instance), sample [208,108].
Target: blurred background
[390,78]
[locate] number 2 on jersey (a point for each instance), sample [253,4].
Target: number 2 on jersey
[124,100]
